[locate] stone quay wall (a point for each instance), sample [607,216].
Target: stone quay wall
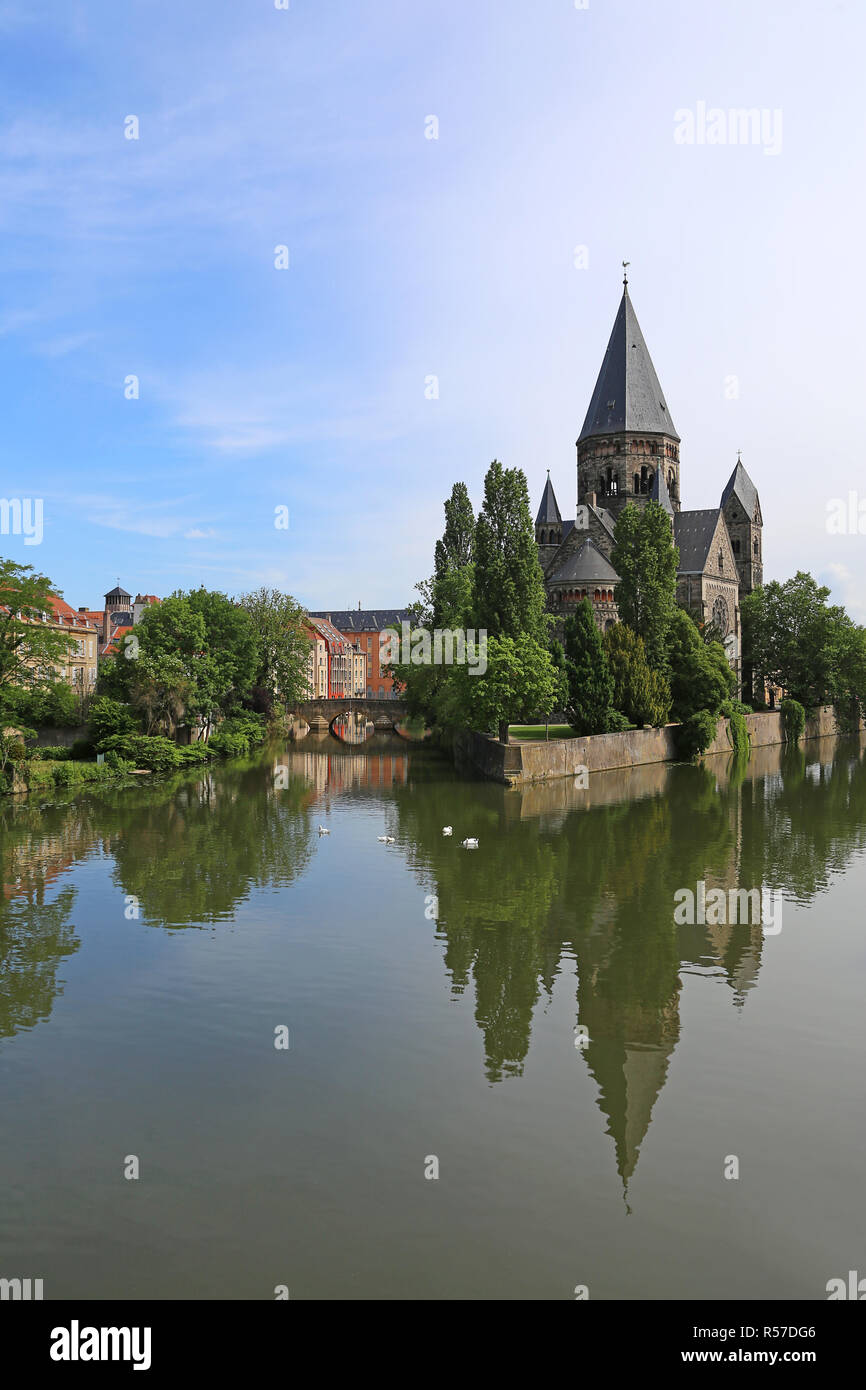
[518,763]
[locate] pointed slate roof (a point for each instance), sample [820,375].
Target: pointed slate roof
[693,536]
[548,512]
[659,491]
[740,485]
[117,592]
[627,395]
[586,566]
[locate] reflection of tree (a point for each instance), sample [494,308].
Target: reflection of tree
[596,882]
[34,937]
[191,848]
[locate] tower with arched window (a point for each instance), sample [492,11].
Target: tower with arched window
[628,446]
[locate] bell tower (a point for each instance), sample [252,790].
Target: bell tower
[628,449]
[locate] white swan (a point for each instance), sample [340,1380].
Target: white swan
[389,840]
[469,844]
[323,831]
[447,830]
[383,839]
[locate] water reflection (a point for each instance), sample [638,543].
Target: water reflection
[567,883]
[353,727]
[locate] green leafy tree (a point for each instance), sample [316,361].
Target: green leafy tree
[640,693]
[791,638]
[590,683]
[282,647]
[645,558]
[698,671]
[30,649]
[106,717]
[451,588]
[509,596]
[519,683]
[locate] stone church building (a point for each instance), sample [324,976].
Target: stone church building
[629,451]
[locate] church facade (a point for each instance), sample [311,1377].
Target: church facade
[628,451]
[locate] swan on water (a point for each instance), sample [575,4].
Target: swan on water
[323,831]
[470,843]
[447,830]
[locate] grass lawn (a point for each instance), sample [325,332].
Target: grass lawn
[537,731]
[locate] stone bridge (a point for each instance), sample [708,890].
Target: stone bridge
[385,714]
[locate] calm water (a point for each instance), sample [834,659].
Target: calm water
[598,1164]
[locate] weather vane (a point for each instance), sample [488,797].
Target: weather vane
[625,266]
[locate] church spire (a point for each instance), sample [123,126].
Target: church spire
[548,512]
[627,394]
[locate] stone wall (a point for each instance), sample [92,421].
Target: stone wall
[517,763]
[58,738]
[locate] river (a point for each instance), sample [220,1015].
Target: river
[237,1055]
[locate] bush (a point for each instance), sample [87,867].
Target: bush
[735,712]
[117,763]
[49,755]
[194,754]
[81,748]
[793,720]
[694,736]
[109,717]
[616,722]
[157,754]
[230,745]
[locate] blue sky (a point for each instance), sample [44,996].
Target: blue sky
[409,258]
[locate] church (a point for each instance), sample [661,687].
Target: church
[629,451]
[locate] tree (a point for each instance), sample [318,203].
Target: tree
[282,646]
[590,684]
[451,587]
[509,586]
[849,671]
[645,558]
[641,694]
[509,598]
[194,655]
[30,649]
[520,682]
[699,674]
[791,638]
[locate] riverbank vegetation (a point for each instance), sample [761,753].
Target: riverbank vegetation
[200,676]
[660,663]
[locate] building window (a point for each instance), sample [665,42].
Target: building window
[720,616]
[721,563]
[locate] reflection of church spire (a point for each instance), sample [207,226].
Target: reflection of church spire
[628,1055]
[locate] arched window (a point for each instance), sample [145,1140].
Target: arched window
[597,596]
[736,545]
[757,551]
[721,563]
[636,483]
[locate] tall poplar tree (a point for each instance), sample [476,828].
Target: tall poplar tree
[645,558]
